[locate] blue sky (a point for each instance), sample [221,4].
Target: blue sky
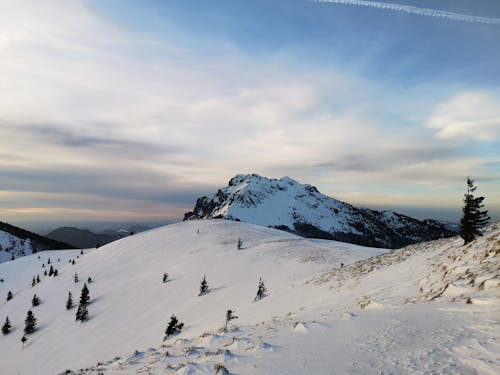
[125,110]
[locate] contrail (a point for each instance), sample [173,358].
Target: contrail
[415,10]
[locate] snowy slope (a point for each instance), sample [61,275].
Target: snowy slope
[302,209]
[377,314]
[16,242]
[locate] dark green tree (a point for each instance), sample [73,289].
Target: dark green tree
[473,218]
[165,277]
[69,302]
[76,277]
[9,295]
[82,314]
[30,323]
[203,286]
[35,301]
[6,326]
[174,326]
[33,282]
[37,279]
[261,291]
[240,243]
[84,295]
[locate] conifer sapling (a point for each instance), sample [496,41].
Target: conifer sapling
[35,301]
[174,327]
[9,295]
[261,291]
[229,316]
[6,326]
[30,323]
[203,286]
[69,302]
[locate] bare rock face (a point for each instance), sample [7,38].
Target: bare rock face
[289,205]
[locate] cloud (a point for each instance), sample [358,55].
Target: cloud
[415,10]
[473,115]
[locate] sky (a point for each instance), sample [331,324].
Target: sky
[117,110]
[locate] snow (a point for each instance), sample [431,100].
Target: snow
[385,311]
[12,246]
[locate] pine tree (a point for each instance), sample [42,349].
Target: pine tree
[37,279]
[240,243]
[30,323]
[33,282]
[76,278]
[45,273]
[229,317]
[165,277]
[84,313]
[203,286]
[473,219]
[55,272]
[89,280]
[35,301]
[174,326]
[9,295]
[84,296]
[51,270]
[6,326]
[48,261]
[23,340]
[78,313]
[69,302]
[261,291]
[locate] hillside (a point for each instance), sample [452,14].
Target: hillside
[301,209]
[82,238]
[16,242]
[397,311]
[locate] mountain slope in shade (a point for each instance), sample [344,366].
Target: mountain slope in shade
[82,238]
[16,242]
[286,204]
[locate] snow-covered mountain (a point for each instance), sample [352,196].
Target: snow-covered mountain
[373,314]
[16,242]
[301,209]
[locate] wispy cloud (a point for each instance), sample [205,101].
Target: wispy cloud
[468,115]
[415,10]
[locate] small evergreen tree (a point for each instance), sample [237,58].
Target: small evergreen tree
[73,262]
[203,286]
[51,270]
[89,280]
[261,291]
[81,251]
[37,279]
[35,301]
[174,327]
[23,340]
[30,323]
[84,296]
[69,302]
[33,282]
[6,326]
[76,278]
[55,272]
[9,295]
[83,313]
[240,243]
[229,317]
[45,273]
[48,261]
[473,219]
[165,277]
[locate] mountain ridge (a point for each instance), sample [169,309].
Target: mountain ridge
[301,209]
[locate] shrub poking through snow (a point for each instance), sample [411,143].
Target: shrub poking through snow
[203,286]
[35,301]
[9,295]
[69,301]
[165,277]
[229,316]
[6,326]
[240,243]
[29,323]
[174,327]
[261,291]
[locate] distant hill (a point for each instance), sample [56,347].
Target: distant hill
[301,209]
[83,238]
[16,242]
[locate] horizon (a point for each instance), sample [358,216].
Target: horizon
[118,112]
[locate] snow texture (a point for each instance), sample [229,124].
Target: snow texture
[385,311]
